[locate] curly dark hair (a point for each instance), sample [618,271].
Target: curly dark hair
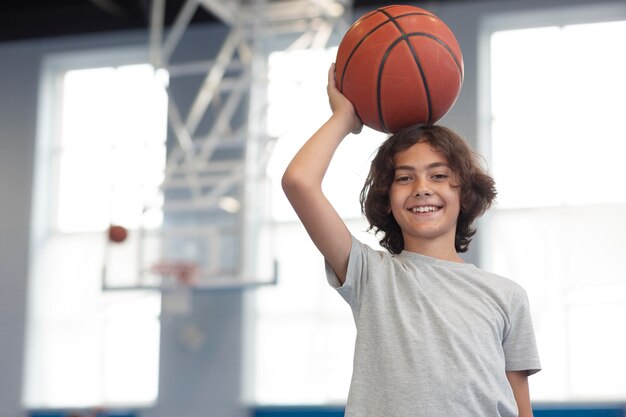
[477,187]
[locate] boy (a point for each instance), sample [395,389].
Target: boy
[435,336]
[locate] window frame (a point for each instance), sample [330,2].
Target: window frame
[535,18]
[44,196]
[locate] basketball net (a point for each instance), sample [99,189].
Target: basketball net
[186,273]
[178,298]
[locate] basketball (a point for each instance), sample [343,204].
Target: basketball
[117,234]
[399,66]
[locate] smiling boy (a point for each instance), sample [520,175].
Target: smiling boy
[435,336]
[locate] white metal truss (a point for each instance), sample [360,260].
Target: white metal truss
[214,157]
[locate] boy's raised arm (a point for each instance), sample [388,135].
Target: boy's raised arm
[302,182]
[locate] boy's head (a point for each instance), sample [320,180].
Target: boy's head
[477,190]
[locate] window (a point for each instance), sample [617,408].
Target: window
[304,331]
[557,144]
[101,159]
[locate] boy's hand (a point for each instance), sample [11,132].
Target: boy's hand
[340,105]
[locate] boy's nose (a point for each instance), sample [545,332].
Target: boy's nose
[422,193]
[421,189]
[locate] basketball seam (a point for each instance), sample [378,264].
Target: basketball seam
[419,67]
[442,43]
[367,35]
[436,39]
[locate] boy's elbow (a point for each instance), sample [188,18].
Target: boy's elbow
[287,182]
[293,181]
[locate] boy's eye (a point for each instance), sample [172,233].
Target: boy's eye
[440,177]
[403,178]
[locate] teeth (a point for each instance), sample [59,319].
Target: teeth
[424,209]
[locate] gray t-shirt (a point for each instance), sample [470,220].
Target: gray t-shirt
[434,338]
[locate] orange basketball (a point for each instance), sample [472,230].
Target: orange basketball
[399,66]
[117,234]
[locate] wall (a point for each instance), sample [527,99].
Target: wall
[580,411]
[18,103]
[205,381]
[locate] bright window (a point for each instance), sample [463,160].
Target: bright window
[557,143]
[304,331]
[101,159]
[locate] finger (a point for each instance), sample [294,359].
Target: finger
[331,75]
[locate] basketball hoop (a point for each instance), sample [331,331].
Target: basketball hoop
[185,272]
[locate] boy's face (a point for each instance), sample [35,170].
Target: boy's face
[425,198]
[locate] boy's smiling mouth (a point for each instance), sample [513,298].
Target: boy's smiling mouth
[424,209]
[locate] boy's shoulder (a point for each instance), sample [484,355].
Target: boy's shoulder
[498,278]
[502,284]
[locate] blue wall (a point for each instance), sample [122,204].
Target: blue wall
[579,412]
[539,411]
[60,413]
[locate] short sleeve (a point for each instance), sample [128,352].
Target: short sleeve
[519,344]
[355,282]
